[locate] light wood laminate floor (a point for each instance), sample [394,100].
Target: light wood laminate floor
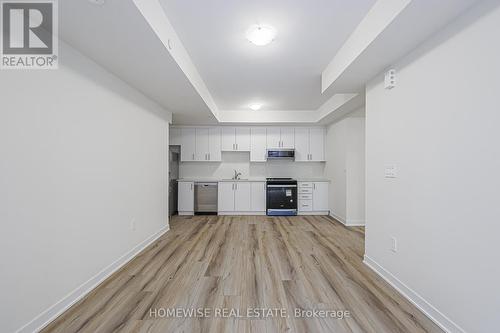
[247,262]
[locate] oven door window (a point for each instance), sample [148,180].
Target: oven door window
[282,197]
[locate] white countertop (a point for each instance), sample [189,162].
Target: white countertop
[191,179]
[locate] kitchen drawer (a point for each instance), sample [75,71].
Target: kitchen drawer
[306,196]
[305,190]
[305,205]
[305,184]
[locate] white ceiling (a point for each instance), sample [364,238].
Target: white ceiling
[117,36]
[188,54]
[284,75]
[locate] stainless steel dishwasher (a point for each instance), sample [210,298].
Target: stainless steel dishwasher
[205,198]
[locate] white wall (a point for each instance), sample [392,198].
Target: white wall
[345,167]
[241,162]
[440,127]
[82,154]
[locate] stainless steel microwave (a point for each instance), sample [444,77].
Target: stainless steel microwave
[280,154]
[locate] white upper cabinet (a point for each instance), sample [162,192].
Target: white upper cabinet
[309,144]
[201,144]
[273,137]
[258,144]
[235,138]
[302,144]
[188,144]
[317,144]
[175,136]
[280,137]
[242,139]
[228,138]
[207,143]
[214,144]
[287,137]
[320,196]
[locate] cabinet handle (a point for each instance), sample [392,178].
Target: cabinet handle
[193,156]
[236,146]
[209,156]
[191,186]
[314,186]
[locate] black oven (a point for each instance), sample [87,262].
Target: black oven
[281,196]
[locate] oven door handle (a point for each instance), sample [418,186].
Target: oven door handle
[281,185]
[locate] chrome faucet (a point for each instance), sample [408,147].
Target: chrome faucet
[236,175]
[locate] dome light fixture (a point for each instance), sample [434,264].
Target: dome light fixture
[255,106]
[261,34]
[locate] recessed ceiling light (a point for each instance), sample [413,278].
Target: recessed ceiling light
[255,106]
[261,34]
[97,2]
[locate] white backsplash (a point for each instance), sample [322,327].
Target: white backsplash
[241,162]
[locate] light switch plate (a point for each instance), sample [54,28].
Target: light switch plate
[391,171]
[390,79]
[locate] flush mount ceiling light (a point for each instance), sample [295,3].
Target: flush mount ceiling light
[255,106]
[261,34]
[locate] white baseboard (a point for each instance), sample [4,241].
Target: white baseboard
[338,218]
[64,304]
[314,213]
[240,213]
[355,223]
[349,222]
[430,311]
[185,213]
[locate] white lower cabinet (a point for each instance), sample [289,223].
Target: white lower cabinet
[258,197]
[185,198]
[320,197]
[241,198]
[225,197]
[313,198]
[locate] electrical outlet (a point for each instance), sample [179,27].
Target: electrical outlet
[391,171]
[132,224]
[394,244]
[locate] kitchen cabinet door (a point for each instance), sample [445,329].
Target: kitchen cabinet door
[301,144]
[258,192]
[317,144]
[320,196]
[225,197]
[287,137]
[185,200]
[228,138]
[258,144]
[242,138]
[214,144]
[273,138]
[201,144]
[242,196]
[188,146]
